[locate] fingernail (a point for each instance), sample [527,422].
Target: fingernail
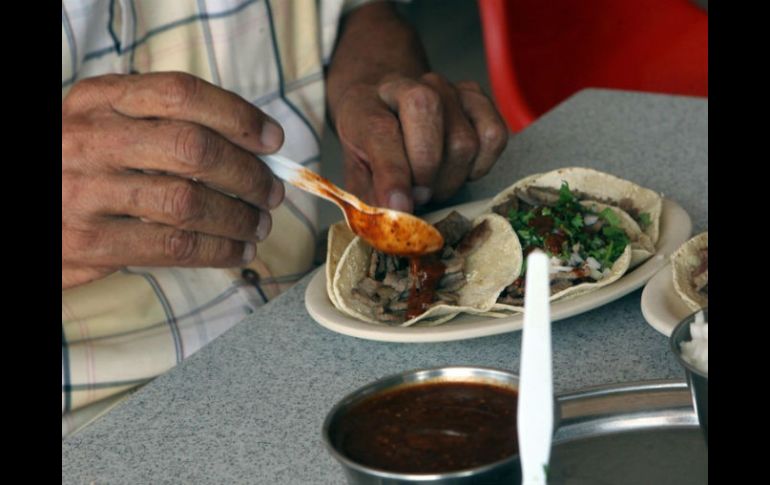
[264,225]
[277,191]
[272,135]
[249,252]
[399,201]
[421,195]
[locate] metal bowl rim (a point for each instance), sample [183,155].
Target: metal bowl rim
[392,381]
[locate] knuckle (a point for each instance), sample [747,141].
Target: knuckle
[81,94]
[73,144]
[77,94]
[496,137]
[87,91]
[71,189]
[422,98]
[180,88]
[181,246]
[194,146]
[433,78]
[85,86]
[183,203]
[80,241]
[79,237]
[464,146]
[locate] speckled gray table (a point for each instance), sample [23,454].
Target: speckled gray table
[249,407]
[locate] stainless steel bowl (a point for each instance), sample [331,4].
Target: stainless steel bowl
[506,471]
[697,381]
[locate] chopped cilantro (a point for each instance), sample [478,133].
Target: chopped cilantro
[644,220]
[610,216]
[568,215]
[577,221]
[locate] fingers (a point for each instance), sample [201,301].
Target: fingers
[184,130]
[179,203]
[421,116]
[187,150]
[182,97]
[373,143]
[461,142]
[439,133]
[128,241]
[490,128]
[391,173]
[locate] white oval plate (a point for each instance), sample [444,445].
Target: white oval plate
[675,229]
[661,305]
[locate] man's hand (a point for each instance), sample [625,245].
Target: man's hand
[146,163]
[408,135]
[408,141]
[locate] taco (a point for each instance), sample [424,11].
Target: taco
[478,260]
[690,266]
[594,226]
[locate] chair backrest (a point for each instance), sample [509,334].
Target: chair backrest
[541,52]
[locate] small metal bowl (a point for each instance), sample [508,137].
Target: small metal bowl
[697,381]
[506,471]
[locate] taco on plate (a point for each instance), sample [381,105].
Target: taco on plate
[594,226]
[690,266]
[479,259]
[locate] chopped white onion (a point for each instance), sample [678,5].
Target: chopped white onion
[596,275]
[560,269]
[575,259]
[696,351]
[593,263]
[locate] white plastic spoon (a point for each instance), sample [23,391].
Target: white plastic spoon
[386,230]
[535,408]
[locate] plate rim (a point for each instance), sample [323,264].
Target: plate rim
[662,284]
[457,329]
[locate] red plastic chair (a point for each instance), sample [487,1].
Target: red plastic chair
[541,52]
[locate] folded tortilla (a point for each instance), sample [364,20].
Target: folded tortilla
[589,184]
[497,263]
[597,191]
[687,263]
[489,267]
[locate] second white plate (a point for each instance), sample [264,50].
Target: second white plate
[675,229]
[661,305]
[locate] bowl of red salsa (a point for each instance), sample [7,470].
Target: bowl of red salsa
[447,425]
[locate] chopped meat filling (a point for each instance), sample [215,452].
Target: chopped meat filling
[388,280]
